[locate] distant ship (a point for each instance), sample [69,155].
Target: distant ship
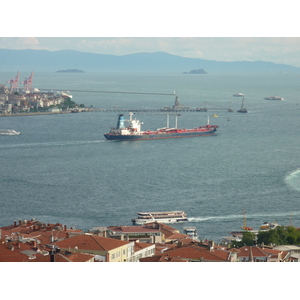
[8,132]
[132,131]
[238,95]
[274,98]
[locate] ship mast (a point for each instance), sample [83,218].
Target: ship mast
[242,103]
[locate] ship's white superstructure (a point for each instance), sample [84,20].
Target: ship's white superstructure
[8,132]
[161,217]
[191,232]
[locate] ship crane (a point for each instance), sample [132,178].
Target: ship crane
[14,82]
[167,115]
[176,120]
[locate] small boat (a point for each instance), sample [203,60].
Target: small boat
[8,132]
[161,217]
[267,226]
[238,95]
[191,232]
[274,98]
[215,116]
[245,228]
[242,109]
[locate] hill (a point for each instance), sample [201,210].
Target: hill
[51,61]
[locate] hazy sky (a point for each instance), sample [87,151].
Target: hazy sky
[229,30]
[278,50]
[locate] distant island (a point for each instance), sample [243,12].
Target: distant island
[70,71]
[199,71]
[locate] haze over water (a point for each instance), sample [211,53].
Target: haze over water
[61,168]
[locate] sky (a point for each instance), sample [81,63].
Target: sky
[219,30]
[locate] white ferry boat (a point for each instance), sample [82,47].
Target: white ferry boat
[8,132]
[161,217]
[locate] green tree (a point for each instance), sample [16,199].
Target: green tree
[279,236]
[248,238]
[293,235]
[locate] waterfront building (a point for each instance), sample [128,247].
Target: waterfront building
[104,249]
[261,254]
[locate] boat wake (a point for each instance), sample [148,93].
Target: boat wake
[249,216]
[213,218]
[293,179]
[56,144]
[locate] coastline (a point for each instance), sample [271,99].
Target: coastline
[33,114]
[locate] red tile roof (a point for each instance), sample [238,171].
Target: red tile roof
[90,242]
[132,229]
[65,256]
[139,246]
[198,253]
[12,254]
[259,252]
[162,258]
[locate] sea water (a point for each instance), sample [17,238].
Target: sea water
[61,168]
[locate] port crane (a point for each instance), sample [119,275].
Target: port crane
[14,82]
[28,82]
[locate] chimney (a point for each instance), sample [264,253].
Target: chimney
[52,256]
[211,245]
[65,227]
[15,223]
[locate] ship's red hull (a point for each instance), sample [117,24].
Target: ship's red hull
[151,135]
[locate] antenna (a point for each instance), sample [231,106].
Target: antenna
[245,225]
[291,220]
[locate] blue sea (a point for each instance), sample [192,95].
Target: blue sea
[61,168]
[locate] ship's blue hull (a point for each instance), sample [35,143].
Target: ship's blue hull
[133,137]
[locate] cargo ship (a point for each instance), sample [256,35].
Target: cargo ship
[132,131]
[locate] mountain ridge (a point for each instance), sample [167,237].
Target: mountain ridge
[50,61]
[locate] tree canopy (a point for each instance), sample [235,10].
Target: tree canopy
[280,235]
